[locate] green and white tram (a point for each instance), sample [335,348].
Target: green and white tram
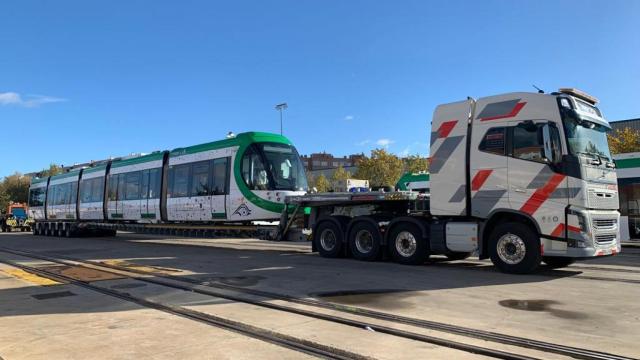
[240,179]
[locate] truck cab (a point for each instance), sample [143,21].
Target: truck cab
[540,180]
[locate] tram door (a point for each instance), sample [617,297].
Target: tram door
[219,188]
[198,204]
[150,194]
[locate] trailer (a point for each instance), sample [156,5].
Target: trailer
[519,178]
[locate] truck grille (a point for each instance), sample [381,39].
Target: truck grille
[603,200]
[605,238]
[605,224]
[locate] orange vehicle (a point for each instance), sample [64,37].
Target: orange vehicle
[16,217]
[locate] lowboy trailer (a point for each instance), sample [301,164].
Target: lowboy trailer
[520,178]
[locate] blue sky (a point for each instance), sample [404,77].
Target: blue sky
[83,80]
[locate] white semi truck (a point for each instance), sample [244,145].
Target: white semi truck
[520,178]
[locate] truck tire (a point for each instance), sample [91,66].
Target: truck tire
[556,262]
[329,239]
[365,240]
[514,248]
[458,255]
[407,245]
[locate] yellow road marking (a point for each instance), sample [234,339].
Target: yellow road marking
[32,278]
[129,265]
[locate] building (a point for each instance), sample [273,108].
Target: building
[324,161]
[621,124]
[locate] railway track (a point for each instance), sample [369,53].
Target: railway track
[188,284]
[302,346]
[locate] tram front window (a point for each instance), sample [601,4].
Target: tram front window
[273,167]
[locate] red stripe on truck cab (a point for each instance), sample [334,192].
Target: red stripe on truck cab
[542,194]
[446,128]
[479,179]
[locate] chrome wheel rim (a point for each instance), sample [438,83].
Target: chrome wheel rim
[406,244]
[328,239]
[364,241]
[511,249]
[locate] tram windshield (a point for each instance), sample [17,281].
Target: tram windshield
[272,166]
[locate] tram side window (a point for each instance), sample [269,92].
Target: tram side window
[36,197]
[200,179]
[179,181]
[113,187]
[121,186]
[97,189]
[132,186]
[154,183]
[220,176]
[86,186]
[73,195]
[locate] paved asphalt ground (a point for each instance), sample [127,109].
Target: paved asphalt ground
[591,305]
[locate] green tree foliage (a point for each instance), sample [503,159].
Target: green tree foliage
[339,176]
[52,170]
[322,184]
[14,188]
[415,163]
[381,169]
[624,140]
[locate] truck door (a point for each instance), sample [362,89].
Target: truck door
[220,188]
[489,171]
[536,187]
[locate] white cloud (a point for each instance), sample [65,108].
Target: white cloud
[349,117]
[384,142]
[30,101]
[363,142]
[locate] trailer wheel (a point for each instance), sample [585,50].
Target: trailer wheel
[365,240]
[329,240]
[556,262]
[515,248]
[458,255]
[407,245]
[67,231]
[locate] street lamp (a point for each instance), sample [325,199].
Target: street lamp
[281,107]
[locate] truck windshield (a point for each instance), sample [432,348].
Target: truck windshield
[19,213]
[587,138]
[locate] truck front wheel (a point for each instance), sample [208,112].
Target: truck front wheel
[407,245]
[329,239]
[515,248]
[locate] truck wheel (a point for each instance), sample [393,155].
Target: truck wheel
[556,262]
[329,240]
[407,245]
[458,255]
[515,248]
[364,241]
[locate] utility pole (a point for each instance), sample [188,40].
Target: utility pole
[281,107]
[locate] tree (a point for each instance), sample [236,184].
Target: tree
[381,169]
[415,163]
[339,176]
[52,170]
[14,188]
[322,184]
[311,181]
[624,140]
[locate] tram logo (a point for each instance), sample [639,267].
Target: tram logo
[242,210]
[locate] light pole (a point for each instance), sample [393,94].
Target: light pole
[281,107]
